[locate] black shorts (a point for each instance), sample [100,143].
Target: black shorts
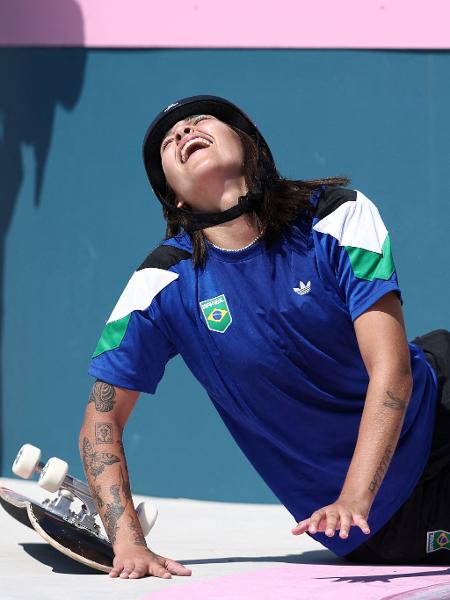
[419,532]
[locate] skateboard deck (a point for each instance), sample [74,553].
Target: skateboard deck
[70,539]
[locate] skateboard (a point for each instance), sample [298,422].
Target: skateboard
[59,520]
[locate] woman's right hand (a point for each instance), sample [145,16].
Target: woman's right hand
[133,562]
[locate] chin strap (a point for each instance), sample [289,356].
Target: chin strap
[198,221]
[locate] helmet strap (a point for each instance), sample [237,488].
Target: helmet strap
[196,221]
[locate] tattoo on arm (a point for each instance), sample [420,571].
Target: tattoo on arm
[381,470]
[394,402]
[138,538]
[103,433]
[125,485]
[95,462]
[96,491]
[102,395]
[113,513]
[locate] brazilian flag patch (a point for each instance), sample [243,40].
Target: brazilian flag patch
[438,540]
[217,314]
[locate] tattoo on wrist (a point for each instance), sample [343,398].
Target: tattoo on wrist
[95,462]
[395,402]
[138,538]
[103,433]
[113,513]
[381,470]
[102,395]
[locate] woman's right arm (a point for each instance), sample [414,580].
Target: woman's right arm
[106,471]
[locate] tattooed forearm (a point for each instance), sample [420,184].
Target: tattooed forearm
[395,402]
[103,433]
[126,491]
[381,470]
[96,491]
[102,395]
[113,513]
[138,538]
[95,462]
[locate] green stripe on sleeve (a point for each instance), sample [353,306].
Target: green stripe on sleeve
[372,265]
[112,335]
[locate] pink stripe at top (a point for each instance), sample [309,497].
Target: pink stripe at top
[224,24]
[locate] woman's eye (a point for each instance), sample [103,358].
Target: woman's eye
[200,118]
[165,143]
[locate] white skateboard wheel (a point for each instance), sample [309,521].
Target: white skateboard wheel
[147,514]
[53,474]
[26,461]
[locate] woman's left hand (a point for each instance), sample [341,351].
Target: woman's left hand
[342,515]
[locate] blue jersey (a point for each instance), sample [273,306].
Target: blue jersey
[269,334]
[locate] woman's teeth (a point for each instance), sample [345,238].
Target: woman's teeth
[187,149]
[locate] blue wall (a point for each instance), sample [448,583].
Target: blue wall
[78,217]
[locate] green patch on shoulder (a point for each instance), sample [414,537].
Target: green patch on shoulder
[372,265]
[112,335]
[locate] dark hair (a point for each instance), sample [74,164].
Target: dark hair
[284,200]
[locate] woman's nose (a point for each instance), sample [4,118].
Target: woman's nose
[181,131]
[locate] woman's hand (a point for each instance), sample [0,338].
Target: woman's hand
[132,562]
[342,515]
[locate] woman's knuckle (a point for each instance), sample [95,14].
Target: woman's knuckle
[140,570]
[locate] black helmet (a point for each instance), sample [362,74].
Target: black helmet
[228,113]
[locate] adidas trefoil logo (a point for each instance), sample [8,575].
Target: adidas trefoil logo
[304,288]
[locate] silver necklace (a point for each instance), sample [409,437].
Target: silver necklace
[236,249]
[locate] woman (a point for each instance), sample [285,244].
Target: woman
[283,300]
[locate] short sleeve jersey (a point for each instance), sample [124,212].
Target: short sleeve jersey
[269,333]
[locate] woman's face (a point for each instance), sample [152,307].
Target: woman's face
[200,157]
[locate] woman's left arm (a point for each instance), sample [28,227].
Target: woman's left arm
[382,341]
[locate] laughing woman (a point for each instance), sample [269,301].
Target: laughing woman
[283,300]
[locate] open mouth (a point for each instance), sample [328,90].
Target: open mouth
[192,145]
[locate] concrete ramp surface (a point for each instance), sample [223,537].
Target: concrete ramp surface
[236,551]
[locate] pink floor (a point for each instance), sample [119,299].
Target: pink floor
[316,582]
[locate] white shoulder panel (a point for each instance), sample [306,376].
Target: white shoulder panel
[356,224]
[143,286]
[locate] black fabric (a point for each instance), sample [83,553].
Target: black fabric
[402,540]
[331,198]
[163,257]
[203,220]
[436,346]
